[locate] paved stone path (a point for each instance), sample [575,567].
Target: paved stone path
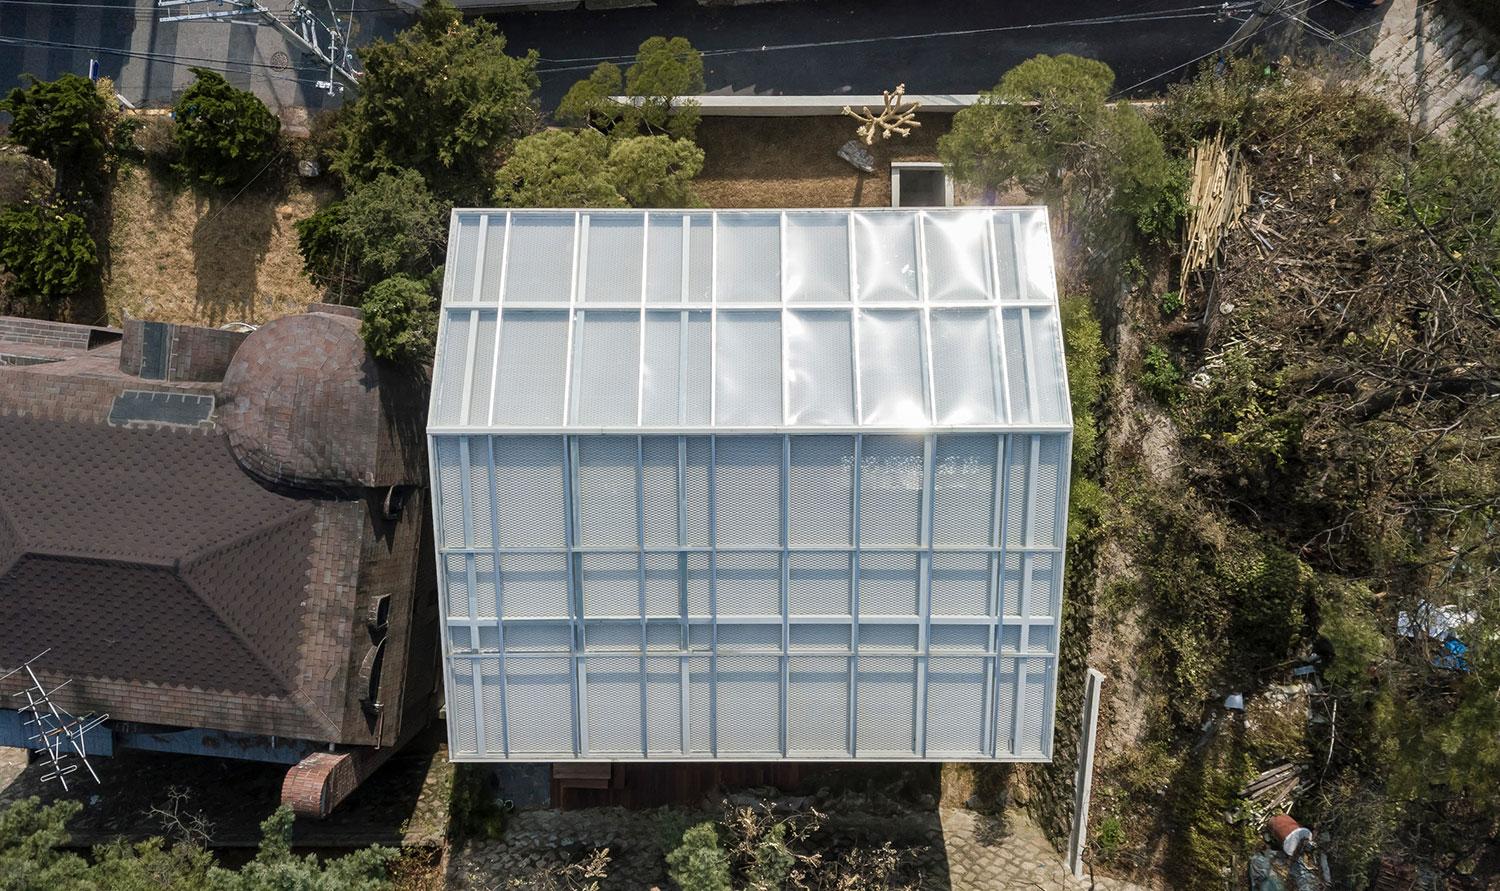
[969,852]
[1021,859]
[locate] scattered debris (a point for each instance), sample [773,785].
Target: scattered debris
[858,155]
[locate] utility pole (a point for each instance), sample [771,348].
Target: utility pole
[1263,13]
[322,35]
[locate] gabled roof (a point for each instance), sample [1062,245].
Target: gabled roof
[750,321]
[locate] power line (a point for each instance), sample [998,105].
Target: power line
[1186,12]
[173,60]
[1230,44]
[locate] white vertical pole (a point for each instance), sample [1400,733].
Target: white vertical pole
[1084,783]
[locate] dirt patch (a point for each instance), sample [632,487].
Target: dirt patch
[177,255]
[792,162]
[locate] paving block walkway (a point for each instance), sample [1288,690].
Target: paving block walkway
[1022,858]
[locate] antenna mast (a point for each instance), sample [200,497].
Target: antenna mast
[58,735]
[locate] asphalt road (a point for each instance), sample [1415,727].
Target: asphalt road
[865,46]
[799,46]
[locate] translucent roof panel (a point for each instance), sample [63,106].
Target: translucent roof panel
[750,485]
[770,321]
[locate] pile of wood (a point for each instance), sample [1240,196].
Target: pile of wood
[1217,197]
[1274,790]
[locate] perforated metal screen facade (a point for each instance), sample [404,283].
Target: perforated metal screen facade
[750,485]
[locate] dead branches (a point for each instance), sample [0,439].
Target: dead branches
[891,119]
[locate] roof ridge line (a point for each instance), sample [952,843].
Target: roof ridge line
[234,627]
[97,557]
[215,546]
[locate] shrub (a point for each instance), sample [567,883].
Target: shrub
[399,321]
[558,168]
[49,253]
[699,863]
[226,135]
[324,248]
[393,225]
[655,171]
[62,122]
[442,99]
[1160,377]
[1171,303]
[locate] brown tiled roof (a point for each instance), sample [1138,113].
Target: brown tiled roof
[147,555]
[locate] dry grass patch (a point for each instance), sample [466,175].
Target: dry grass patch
[792,162]
[176,255]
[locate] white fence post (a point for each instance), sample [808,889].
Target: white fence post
[1083,784]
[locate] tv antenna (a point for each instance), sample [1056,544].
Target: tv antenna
[324,34]
[57,734]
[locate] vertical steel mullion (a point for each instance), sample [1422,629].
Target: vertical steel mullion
[476,671]
[575,595]
[785,583]
[996,598]
[854,375]
[924,589]
[924,318]
[1002,497]
[1028,538]
[687,229]
[572,323]
[499,594]
[713,597]
[1018,252]
[854,561]
[640,353]
[682,364]
[469,365]
[684,627]
[1003,376]
[499,323]
[640,562]
[1028,358]
[782,316]
[444,600]
[713,322]
[484,233]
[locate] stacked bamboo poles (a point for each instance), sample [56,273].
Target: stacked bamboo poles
[1217,196]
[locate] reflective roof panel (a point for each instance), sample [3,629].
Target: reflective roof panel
[596,321]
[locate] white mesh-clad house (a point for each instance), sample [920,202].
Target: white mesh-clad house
[750,485]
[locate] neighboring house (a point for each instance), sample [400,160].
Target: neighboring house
[219,539]
[750,485]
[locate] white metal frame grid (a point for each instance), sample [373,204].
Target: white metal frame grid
[1016,250]
[1015,669]
[1019,636]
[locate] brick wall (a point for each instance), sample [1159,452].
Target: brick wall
[53,334]
[193,353]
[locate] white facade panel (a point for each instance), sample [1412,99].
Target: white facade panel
[750,485]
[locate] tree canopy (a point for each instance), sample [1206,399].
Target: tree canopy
[663,73]
[444,99]
[50,255]
[582,168]
[32,858]
[1049,128]
[226,135]
[400,322]
[60,121]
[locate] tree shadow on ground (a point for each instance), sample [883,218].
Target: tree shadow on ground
[230,240]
